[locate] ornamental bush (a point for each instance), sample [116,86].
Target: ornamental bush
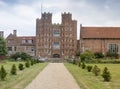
[106,75]
[13,70]
[3,73]
[27,64]
[79,64]
[96,70]
[89,68]
[83,65]
[21,66]
[98,55]
[32,62]
[87,56]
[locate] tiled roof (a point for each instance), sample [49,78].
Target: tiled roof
[100,32]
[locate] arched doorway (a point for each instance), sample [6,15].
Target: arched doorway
[56,56]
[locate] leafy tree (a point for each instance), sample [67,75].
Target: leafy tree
[106,75]
[13,70]
[96,70]
[87,55]
[3,49]
[3,73]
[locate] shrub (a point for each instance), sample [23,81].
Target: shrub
[74,61]
[79,64]
[27,64]
[106,75]
[83,65]
[3,73]
[21,66]
[32,62]
[86,56]
[89,68]
[112,55]
[23,56]
[13,70]
[96,70]
[99,55]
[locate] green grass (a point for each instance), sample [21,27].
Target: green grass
[23,78]
[87,80]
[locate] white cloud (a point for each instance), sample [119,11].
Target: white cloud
[22,15]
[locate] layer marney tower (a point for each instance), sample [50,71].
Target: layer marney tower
[56,40]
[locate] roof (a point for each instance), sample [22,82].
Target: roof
[100,32]
[18,39]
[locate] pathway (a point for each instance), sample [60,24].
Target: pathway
[54,76]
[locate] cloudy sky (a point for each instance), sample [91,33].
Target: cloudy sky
[22,14]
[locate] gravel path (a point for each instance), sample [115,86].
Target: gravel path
[54,76]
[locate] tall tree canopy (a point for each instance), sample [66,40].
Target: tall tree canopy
[3,49]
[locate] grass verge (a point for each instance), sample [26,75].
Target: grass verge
[23,78]
[87,80]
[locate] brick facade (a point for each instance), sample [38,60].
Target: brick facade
[56,40]
[98,39]
[16,43]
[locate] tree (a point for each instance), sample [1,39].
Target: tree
[106,75]
[13,70]
[3,49]
[3,73]
[87,55]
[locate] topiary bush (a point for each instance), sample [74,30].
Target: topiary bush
[32,62]
[83,65]
[27,64]
[13,70]
[96,70]
[79,64]
[89,68]
[3,73]
[106,75]
[21,66]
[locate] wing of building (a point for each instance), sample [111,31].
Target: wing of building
[20,44]
[100,39]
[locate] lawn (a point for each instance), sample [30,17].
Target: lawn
[87,80]
[23,78]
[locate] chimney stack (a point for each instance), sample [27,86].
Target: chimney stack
[15,32]
[1,34]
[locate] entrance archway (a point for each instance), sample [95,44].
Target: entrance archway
[56,56]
